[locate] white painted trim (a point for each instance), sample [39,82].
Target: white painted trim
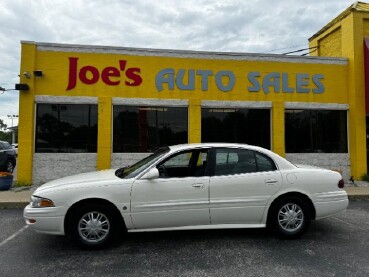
[150,102]
[66,99]
[56,47]
[315,106]
[236,104]
[200,227]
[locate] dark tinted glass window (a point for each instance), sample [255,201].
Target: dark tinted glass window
[6,145]
[316,131]
[264,163]
[145,129]
[185,164]
[250,126]
[66,128]
[229,161]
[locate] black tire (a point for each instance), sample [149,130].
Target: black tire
[94,226]
[290,217]
[9,166]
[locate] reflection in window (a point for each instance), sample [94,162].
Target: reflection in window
[185,164]
[66,128]
[316,131]
[145,129]
[241,161]
[251,126]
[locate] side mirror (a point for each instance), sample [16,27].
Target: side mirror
[153,173]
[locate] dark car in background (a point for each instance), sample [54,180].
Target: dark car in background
[7,157]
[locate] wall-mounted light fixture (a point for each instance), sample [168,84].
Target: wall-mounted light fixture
[24,87]
[27,74]
[38,73]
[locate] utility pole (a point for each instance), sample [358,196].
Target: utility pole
[14,116]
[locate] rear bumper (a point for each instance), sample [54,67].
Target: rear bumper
[330,203]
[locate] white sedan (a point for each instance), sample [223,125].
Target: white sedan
[193,186]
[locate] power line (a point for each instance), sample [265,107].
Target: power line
[314,47]
[293,46]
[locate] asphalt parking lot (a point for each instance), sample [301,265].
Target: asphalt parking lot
[337,246]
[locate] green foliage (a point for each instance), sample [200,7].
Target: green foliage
[365,177]
[21,184]
[6,136]
[2,125]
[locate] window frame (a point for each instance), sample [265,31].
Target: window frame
[60,104]
[148,106]
[315,126]
[192,161]
[212,161]
[241,108]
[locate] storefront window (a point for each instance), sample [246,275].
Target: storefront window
[316,131]
[145,129]
[66,128]
[251,126]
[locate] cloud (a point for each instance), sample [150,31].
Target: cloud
[239,26]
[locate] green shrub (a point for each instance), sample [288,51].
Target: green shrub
[365,177]
[21,184]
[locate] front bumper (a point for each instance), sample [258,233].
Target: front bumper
[46,220]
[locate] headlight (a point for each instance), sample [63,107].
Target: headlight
[40,202]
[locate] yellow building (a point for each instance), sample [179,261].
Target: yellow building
[84,108]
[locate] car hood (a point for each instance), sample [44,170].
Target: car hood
[102,177]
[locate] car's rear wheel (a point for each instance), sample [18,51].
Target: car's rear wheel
[94,226]
[9,166]
[290,217]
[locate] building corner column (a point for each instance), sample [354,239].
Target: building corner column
[26,126]
[104,133]
[194,121]
[278,128]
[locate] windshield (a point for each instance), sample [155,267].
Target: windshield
[135,169]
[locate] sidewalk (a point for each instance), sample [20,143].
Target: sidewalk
[19,197]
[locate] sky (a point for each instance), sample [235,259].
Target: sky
[252,26]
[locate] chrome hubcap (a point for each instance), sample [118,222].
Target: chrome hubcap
[93,227]
[290,217]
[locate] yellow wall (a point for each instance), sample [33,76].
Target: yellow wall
[352,29]
[55,66]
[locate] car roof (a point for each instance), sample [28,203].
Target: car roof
[282,162]
[213,144]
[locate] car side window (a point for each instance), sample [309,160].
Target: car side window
[1,146]
[240,161]
[6,146]
[184,164]
[264,163]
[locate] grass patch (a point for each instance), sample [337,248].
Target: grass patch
[365,177]
[18,184]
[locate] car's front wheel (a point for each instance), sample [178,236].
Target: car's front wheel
[290,217]
[94,226]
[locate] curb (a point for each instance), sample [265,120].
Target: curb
[13,205]
[358,197]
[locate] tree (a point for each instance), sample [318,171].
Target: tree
[6,136]
[2,125]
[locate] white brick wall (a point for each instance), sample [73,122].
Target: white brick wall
[123,159]
[335,161]
[51,166]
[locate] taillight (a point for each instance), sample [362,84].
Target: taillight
[341,184]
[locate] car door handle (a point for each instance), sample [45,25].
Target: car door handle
[200,186]
[271,181]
